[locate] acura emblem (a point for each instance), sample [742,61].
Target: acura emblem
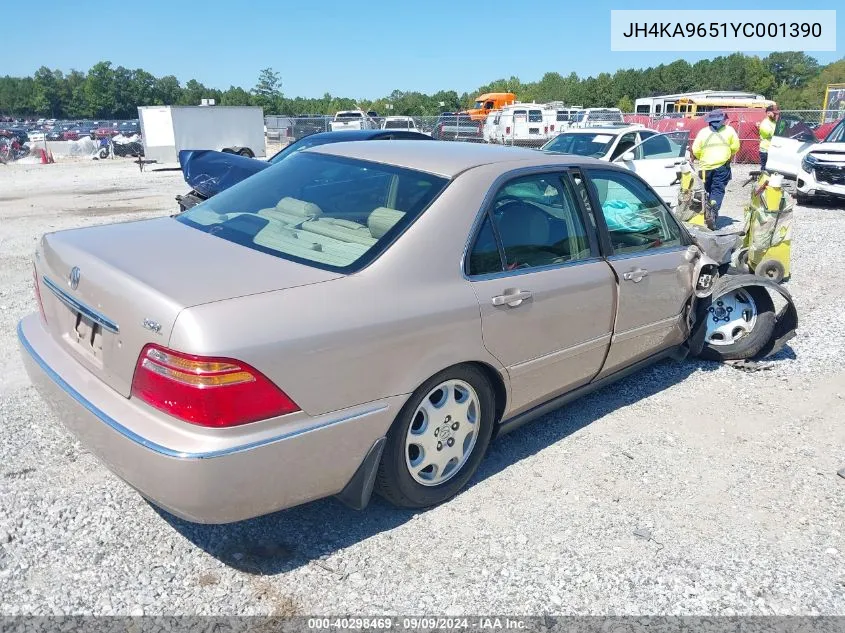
[73,277]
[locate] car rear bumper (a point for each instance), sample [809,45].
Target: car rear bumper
[204,475]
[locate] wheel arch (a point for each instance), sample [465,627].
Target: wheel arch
[497,381]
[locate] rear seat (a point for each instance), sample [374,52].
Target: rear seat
[379,222]
[343,230]
[382,219]
[292,211]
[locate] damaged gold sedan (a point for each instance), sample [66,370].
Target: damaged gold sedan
[368,316]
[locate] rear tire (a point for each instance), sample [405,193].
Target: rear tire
[447,423]
[752,342]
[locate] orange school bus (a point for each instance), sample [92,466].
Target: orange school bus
[489,101]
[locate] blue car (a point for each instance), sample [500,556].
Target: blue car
[209,172]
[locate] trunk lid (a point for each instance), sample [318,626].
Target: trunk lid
[109,290]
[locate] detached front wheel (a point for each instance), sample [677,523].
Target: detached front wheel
[438,439]
[739,324]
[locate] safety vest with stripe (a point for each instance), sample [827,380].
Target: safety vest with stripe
[714,149]
[767,131]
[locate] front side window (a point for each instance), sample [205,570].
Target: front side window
[636,218]
[669,145]
[326,211]
[534,221]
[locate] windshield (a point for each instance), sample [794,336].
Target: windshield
[593,145]
[837,134]
[325,211]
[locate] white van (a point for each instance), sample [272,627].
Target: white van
[561,118]
[523,124]
[591,117]
[489,129]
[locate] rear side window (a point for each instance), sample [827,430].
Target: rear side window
[326,211]
[534,221]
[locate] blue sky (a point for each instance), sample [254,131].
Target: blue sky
[350,48]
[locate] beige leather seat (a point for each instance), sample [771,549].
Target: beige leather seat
[382,219]
[292,211]
[344,230]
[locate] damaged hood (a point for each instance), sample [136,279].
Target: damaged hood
[829,153]
[209,172]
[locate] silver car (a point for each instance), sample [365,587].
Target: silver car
[367,316]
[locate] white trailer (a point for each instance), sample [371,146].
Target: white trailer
[166,130]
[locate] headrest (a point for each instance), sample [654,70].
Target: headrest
[293,206]
[382,219]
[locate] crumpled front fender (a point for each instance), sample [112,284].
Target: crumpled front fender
[786,320]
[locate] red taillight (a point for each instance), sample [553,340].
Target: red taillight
[552,127]
[546,130]
[216,392]
[38,295]
[508,129]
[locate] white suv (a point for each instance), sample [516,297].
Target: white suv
[819,166]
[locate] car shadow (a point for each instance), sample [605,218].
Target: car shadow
[307,534]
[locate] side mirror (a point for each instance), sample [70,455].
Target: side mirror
[628,156]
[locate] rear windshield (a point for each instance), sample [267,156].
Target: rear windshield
[594,145]
[349,115]
[397,125]
[535,116]
[330,212]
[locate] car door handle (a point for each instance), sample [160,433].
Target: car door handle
[635,275]
[511,297]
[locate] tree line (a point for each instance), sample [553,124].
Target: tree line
[794,79]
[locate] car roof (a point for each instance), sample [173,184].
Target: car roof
[448,158]
[616,129]
[351,135]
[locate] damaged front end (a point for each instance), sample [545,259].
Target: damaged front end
[733,317]
[209,172]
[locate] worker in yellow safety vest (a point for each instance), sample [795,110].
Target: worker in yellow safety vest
[767,131]
[714,147]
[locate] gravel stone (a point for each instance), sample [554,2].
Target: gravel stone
[720,465]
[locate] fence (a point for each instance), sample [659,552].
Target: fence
[456,127]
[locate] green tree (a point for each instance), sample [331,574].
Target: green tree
[99,90]
[792,69]
[625,104]
[167,90]
[47,92]
[268,90]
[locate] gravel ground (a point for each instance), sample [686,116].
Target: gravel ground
[691,488]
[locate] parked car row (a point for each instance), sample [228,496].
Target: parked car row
[52,130]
